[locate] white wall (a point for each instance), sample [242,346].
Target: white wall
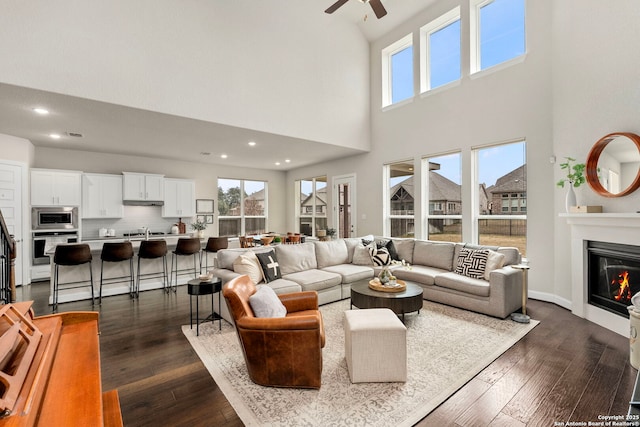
[16,149]
[237,62]
[596,91]
[204,175]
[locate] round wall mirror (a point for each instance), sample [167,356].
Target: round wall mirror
[613,165]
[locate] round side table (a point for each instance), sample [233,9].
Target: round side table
[196,288]
[522,317]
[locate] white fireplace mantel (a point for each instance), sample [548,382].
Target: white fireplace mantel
[621,228]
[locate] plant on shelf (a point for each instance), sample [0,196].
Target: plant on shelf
[575,173]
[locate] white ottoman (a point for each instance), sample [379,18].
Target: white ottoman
[375,346]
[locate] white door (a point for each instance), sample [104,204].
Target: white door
[11,207]
[344,205]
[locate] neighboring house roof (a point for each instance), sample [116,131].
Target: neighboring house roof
[514,181]
[321,198]
[441,188]
[258,195]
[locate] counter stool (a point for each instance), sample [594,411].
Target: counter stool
[117,252]
[185,247]
[153,249]
[214,244]
[71,255]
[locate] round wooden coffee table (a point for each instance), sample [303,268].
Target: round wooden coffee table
[407,301]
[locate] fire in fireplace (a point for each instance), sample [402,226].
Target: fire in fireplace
[614,275]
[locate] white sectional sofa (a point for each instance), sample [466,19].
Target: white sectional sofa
[330,268]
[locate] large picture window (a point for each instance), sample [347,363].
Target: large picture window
[312,203]
[399,203]
[397,71]
[501,218]
[440,51]
[443,186]
[242,207]
[497,32]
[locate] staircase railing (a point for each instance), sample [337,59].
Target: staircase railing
[7,264]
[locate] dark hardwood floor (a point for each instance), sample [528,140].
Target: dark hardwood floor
[566,369]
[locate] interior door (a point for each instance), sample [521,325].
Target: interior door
[344,197]
[11,207]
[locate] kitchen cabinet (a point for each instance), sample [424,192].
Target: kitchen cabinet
[141,186]
[102,196]
[179,198]
[51,187]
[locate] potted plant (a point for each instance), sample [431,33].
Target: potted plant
[199,226]
[331,232]
[575,177]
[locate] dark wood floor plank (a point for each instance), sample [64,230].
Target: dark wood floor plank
[162,382]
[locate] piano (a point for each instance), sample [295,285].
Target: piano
[50,370]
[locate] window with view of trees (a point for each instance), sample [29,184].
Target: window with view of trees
[442,184]
[312,202]
[399,203]
[242,207]
[501,218]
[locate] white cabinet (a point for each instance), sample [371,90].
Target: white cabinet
[55,188]
[102,196]
[179,198]
[141,186]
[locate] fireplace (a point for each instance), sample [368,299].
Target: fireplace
[613,275]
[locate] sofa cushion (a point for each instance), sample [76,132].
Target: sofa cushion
[464,284]
[389,246]
[433,254]
[418,273]
[248,264]
[361,255]
[295,258]
[379,256]
[284,286]
[315,280]
[472,262]
[331,253]
[270,266]
[226,257]
[511,255]
[265,303]
[404,248]
[351,273]
[495,260]
[351,243]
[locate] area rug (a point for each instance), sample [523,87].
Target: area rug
[446,347]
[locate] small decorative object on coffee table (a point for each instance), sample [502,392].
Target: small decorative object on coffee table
[396,286]
[522,317]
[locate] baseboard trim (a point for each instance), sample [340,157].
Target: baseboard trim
[555,299]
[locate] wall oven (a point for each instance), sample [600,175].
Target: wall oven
[44,241]
[54,218]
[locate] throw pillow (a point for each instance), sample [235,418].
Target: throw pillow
[379,256]
[265,303]
[361,255]
[248,264]
[390,246]
[270,267]
[472,263]
[495,260]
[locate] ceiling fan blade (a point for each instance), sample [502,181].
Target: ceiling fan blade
[335,6]
[378,8]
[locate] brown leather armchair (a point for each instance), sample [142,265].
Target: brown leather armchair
[279,352]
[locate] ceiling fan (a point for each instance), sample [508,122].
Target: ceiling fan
[376,5]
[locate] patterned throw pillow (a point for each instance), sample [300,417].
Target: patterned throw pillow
[270,267]
[379,256]
[472,263]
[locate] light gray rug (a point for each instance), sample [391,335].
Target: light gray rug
[446,348]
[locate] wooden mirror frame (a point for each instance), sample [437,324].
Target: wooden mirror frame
[592,165]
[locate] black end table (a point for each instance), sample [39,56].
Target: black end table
[197,287]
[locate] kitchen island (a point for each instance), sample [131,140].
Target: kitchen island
[81,273]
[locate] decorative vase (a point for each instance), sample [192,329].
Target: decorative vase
[571,198]
[200,234]
[384,275]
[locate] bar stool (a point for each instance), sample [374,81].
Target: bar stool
[153,249]
[116,252]
[214,244]
[71,255]
[185,247]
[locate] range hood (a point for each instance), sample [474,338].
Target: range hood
[143,202]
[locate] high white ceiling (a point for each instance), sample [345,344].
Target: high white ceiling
[117,129]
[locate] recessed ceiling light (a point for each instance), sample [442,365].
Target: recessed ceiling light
[277,163]
[223,156]
[252,143]
[41,111]
[54,136]
[288,160]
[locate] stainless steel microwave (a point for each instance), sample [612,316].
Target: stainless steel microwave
[54,218]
